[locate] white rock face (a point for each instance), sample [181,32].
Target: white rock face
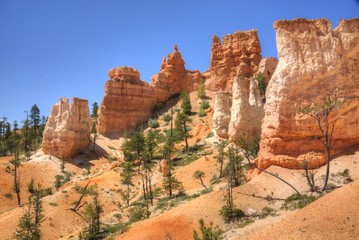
[67,131]
[241,114]
[222,113]
[246,111]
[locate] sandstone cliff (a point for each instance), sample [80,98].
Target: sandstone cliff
[128,101]
[67,130]
[314,62]
[241,114]
[238,54]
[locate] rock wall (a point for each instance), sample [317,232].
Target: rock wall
[240,114]
[67,131]
[128,101]
[314,62]
[238,54]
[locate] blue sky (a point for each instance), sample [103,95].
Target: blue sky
[52,49]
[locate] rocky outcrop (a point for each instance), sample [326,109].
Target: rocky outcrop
[173,77]
[222,113]
[246,111]
[314,62]
[128,101]
[238,54]
[67,131]
[242,115]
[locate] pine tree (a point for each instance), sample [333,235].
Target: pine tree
[201,92]
[181,122]
[186,106]
[35,118]
[94,110]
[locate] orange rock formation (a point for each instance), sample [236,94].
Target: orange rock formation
[239,54]
[67,130]
[128,101]
[314,62]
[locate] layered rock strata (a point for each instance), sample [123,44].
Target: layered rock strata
[67,131]
[238,54]
[128,101]
[315,62]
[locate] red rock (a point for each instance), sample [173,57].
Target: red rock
[239,54]
[128,101]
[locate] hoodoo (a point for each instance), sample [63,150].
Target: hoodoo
[67,131]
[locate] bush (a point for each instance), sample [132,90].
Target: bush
[167,117]
[138,213]
[296,201]
[201,113]
[153,123]
[231,214]
[204,104]
[208,233]
[8,196]
[210,134]
[267,211]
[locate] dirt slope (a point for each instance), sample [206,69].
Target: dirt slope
[334,216]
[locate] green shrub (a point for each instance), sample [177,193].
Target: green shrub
[210,134]
[231,214]
[153,123]
[204,104]
[8,196]
[167,117]
[267,211]
[208,233]
[53,204]
[201,113]
[138,213]
[296,201]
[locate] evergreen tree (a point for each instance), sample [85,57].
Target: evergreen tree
[35,118]
[30,222]
[92,214]
[186,106]
[221,145]
[201,92]
[126,176]
[181,122]
[94,110]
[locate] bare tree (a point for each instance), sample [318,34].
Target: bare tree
[200,175]
[321,113]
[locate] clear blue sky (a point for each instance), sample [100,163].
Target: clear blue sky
[65,48]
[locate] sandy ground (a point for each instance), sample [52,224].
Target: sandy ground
[334,216]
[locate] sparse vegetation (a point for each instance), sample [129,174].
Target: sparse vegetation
[296,201]
[167,117]
[201,92]
[208,233]
[8,196]
[153,123]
